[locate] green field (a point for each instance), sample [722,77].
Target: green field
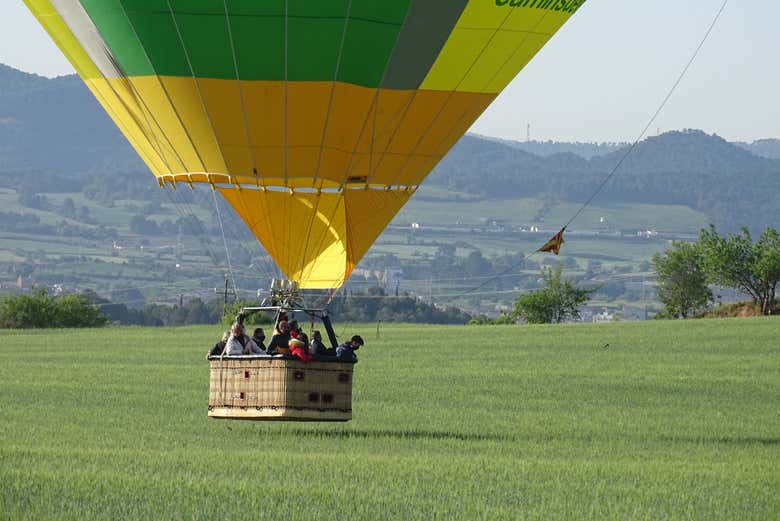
[671,420]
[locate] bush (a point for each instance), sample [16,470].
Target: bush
[256,319]
[558,301]
[39,310]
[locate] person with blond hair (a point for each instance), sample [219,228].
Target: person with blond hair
[240,344]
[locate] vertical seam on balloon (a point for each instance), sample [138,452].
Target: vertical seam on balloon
[342,186]
[332,91]
[241,93]
[325,127]
[200,95]
[403,113]
[142,105]
[452,92]
[373,137]
[286,79]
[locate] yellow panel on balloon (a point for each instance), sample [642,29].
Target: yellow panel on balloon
[134,130]
[151,100]
[529,47]
[187,102]
[368,213]
[316,239]
[304,232]
[226,113]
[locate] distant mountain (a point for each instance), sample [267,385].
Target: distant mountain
[549,148]
[704,172]
[769,148]
[56,125]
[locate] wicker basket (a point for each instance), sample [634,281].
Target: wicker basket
[274,388]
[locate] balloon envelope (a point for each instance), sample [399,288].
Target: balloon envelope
[316,120]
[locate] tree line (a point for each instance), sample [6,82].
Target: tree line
[39,309]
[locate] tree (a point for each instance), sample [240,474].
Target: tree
[143,226]
[738,262]
[556,302]
[682,283]
[40,310]
[68,208]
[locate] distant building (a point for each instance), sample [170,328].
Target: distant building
[604,316]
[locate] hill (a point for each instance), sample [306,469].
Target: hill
[704,172]
[769,148]
[56,125]
[549,148]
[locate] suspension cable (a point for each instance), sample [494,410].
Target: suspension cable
[224,242]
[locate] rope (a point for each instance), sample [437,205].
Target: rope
[652,119]
[627,153]
[224,242]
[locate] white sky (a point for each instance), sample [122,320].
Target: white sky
[599,79]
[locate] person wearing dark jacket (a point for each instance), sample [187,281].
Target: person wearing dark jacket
[259,337]
[280,341]
[219,347]
[346,351]
[317,348]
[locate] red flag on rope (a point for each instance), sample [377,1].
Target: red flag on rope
[554,244]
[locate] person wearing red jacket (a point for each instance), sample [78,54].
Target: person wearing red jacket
[299,350]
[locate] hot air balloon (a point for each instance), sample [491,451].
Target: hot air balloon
[315,120]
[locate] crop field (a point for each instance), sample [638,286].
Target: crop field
[624,421]
[430,208]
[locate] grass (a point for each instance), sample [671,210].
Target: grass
[671,420]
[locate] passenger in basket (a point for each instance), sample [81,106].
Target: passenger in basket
[295,329]
[279,342]
[346,351]
[240,344]
[317,348]
[298,349]
[219,347]
[259,337]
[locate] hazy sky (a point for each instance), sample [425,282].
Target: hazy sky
[600,78]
